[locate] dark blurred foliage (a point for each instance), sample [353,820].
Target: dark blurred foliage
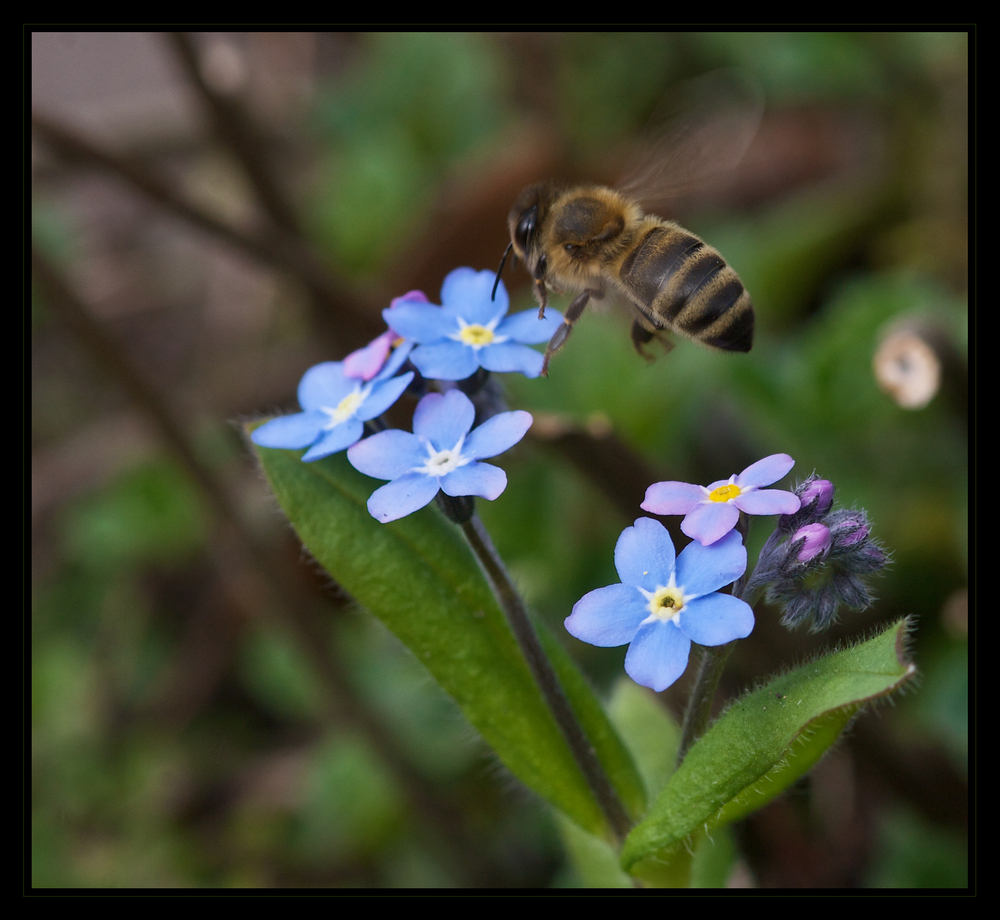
[212,213]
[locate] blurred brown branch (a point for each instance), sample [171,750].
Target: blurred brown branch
[257,581]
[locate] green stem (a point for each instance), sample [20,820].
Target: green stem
[710,666]
[699,707]
[520,623]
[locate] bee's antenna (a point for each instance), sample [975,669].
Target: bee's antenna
[496,283]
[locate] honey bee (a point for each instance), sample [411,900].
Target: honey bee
[593,240]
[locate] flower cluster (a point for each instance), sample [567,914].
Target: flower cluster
[817,559]
[663,605]
[469,335]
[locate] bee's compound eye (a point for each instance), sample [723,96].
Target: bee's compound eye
[526,228]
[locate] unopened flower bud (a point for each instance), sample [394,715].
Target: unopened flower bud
[850,531]
[815,499]
[816,496]
[815,540]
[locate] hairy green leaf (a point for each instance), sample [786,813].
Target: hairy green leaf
[759,746]
[420,578]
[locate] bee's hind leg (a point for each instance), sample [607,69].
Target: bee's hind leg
[572,314]
[643,333]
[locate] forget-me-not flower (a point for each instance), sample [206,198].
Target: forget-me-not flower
[335,406]
[470,330]
[712,511]
[664,603]
[443,453]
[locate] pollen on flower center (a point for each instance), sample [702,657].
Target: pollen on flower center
[666,603]
[475,335]
[724,493]
[345,408]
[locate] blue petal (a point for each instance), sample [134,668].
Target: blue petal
[324,384]
[608,616]
[445,360]
[658,655]
[421,322]
[444,418]
[402,496]
[482,479]
[383,395]
[527,328]
[336,439]
[716,619]
[388,454]
[396,359]
[704,569]
[466,293]
[511,358]
[644,555]
[497,434]
[290,432]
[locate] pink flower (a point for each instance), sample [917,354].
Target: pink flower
[710,512]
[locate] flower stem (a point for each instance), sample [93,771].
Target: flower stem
[710,665]
[699,707]
[541,669]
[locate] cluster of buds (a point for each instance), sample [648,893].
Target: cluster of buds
[817,559]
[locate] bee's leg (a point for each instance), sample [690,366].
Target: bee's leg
[541,298]
[572,314]
[643,332]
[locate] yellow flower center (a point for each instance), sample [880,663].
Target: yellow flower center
[666,603]
[475,335]
[724,493]
[345,408]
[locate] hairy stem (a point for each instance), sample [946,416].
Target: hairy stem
[710,666]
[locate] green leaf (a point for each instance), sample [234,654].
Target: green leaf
[759,746]
[420,578]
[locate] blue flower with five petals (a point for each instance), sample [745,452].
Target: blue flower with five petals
[470,330]
[335,407]
[665,602]
[443,453]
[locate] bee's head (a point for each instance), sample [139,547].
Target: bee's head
[524,220]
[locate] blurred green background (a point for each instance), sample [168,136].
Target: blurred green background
[215,212]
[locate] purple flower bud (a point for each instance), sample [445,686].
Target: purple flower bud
[850,531]
[815,539]
[815,496]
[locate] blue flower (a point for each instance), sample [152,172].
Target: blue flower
[335,407]
[470,330]
[441,454]
[664,603]
[712,511]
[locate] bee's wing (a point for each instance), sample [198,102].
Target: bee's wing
[702,131]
